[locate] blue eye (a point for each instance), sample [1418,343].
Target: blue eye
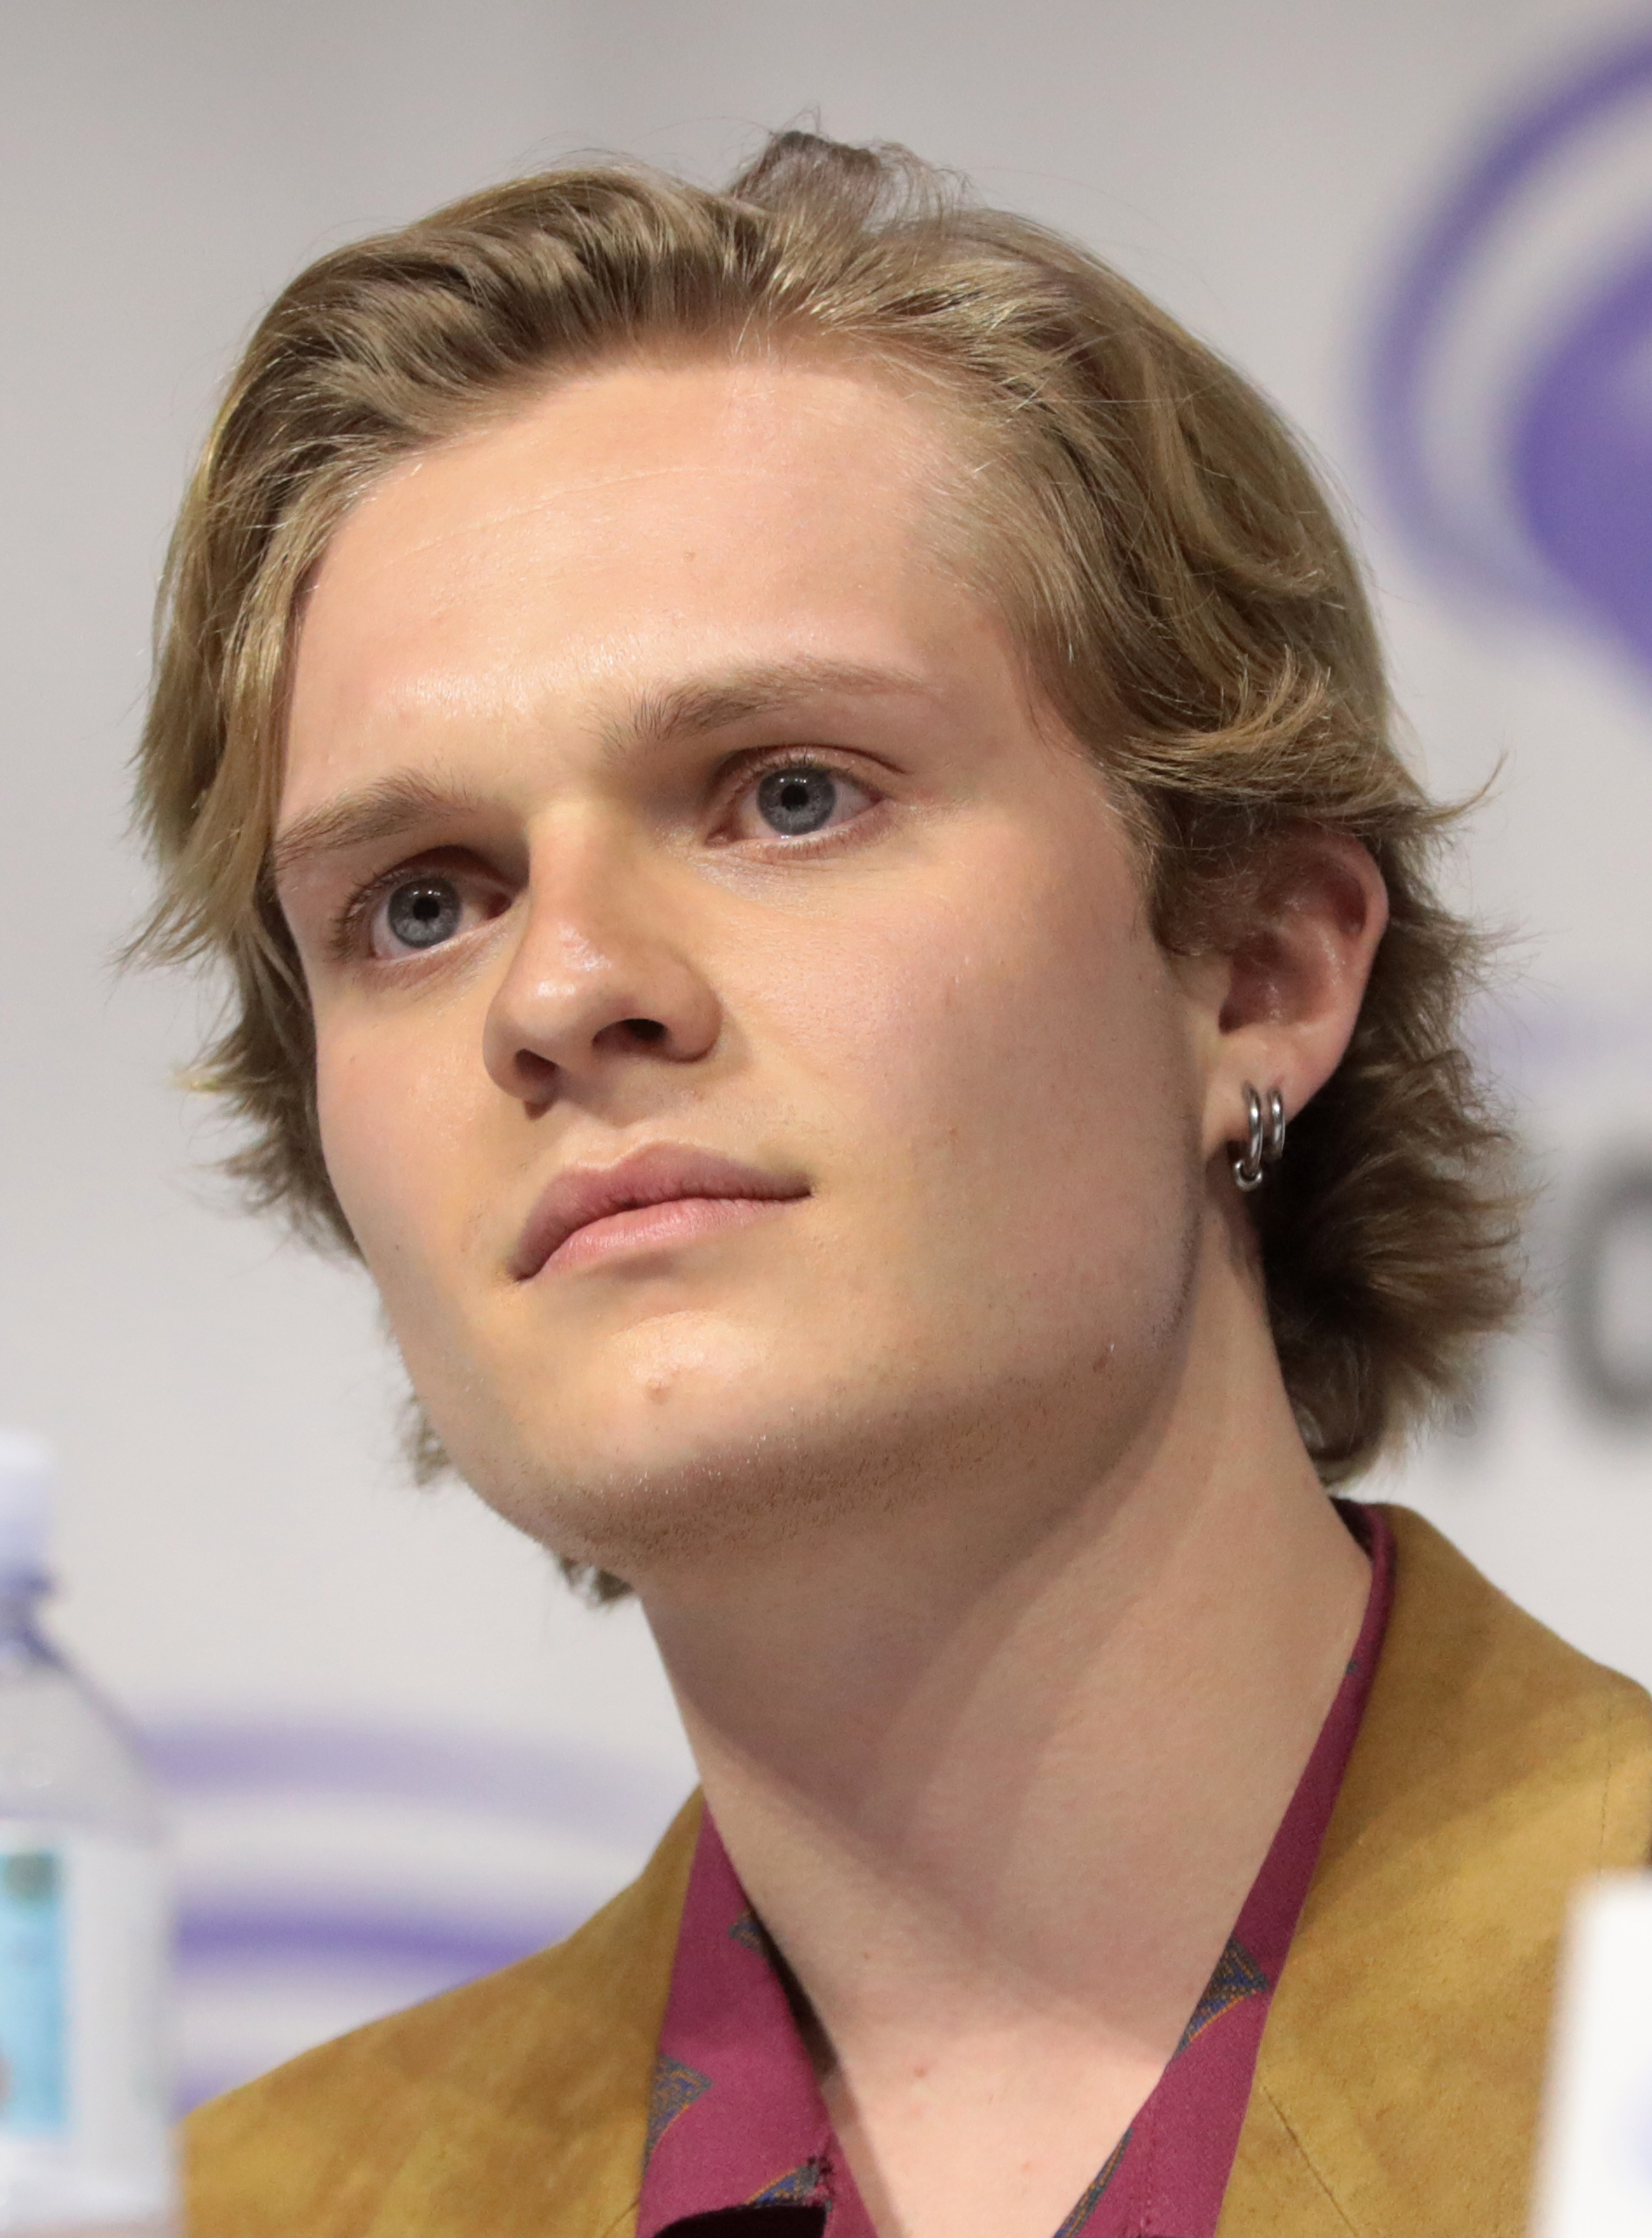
[423,913]
[797,801]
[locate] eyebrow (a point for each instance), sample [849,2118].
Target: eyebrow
[690,710]
[386,808]
[392,806]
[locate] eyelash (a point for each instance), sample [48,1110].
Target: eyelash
[346,934]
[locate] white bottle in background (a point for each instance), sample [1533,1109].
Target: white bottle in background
[84,1922]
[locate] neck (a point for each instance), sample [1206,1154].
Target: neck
[1020,1750]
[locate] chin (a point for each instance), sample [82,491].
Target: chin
[688,1434]
[664,1492]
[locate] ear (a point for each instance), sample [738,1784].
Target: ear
[1277,1008]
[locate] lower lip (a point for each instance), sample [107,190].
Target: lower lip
[661,1227]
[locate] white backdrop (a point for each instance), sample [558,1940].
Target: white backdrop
[400,1751]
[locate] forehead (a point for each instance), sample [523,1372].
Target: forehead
[620,529]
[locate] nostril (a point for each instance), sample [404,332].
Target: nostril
[536,1076]
[646,1030]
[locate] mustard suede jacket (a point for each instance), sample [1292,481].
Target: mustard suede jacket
[1397,2091]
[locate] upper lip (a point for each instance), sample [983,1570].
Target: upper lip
[658,1173]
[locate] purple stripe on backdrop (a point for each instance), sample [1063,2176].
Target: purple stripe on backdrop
[372,1952]
[242,1936]
[388,1958]
[541,1783]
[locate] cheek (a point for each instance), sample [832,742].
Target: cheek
[1012,1020]
[392,1109]
[1014,1068]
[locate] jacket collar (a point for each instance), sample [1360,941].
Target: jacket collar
[1399,2083]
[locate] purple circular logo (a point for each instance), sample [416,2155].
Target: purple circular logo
[1510,382]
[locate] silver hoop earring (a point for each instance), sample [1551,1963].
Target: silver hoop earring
[1264,1138]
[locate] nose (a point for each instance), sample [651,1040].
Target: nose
[597,983]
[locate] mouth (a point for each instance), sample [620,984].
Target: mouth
[666,1193]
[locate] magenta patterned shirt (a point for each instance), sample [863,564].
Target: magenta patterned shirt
[740,2142]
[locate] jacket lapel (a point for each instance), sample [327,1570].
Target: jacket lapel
[1399,2083]
[568,2049]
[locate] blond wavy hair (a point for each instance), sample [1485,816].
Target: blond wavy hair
[1164,555]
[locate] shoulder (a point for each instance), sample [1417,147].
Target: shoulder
[516,2104]
[1476,1699]
[1401,2064]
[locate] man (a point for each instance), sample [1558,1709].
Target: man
[795,784]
